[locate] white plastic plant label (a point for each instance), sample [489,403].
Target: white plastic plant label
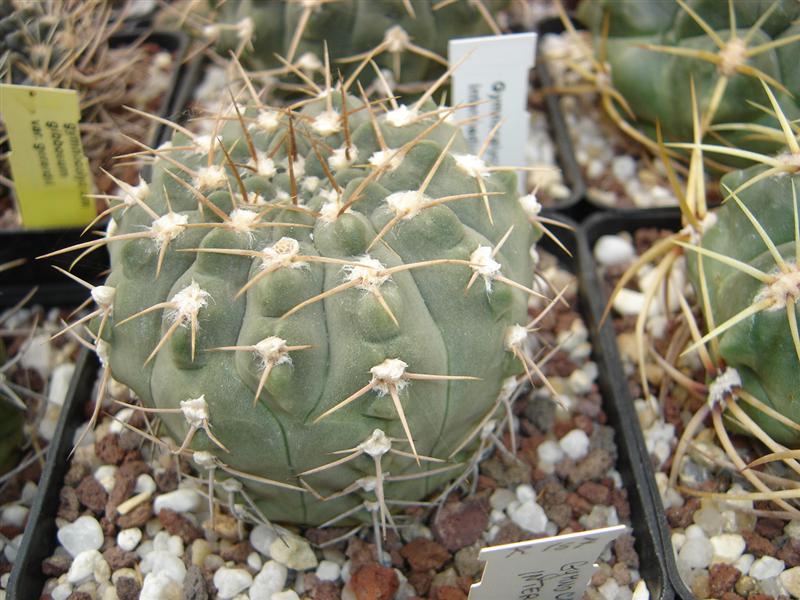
[553,568]
[493,81]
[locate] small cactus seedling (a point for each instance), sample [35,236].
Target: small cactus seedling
[742,261]
[646,51]
[321,302]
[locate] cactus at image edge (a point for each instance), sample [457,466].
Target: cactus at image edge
[761,347]
[412,36]
[328,302]
[654,48]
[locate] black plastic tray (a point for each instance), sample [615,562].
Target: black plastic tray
[610,223]
[30,243]
[40,540]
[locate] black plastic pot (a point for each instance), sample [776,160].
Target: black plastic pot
[593,228]
[39,541]
[28,244]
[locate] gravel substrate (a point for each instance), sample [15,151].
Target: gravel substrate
[722,548]
[133,521]
[38,371]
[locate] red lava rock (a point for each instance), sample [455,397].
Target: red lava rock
[361,553]
[580,506]
[680,517]
[108,449]
[790,553]
[133,468]
[117,558]
[176,524]
[730,596]
[56,566]
[80,596]
[195,586]
[619,500]
[127,588]
[137,517]
[76,472]
[374,582]
[237,552]
[486,483]
[423,554]
[108,527]
[421,581]
[593,466]
[758,545]
[166,481]
[562,428]
[69,505]
[91,494]
[594,492]
[625,552]
[585,423]
[460,524]
[722,578]
[448,592]
[318,536]
[769,528]
[621,573]
[325,590]
[124,483]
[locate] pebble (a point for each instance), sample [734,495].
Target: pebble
[628,302]
[159,586]
[640,592]
[790,579]
[106,475]
[128,539]
[728,547]
[254,561]
[328,571]
[261,538]
[82,567]
[15,515]
[229,582]
[61,592]
[59,383]
[613,250]
[744,563]
[792,529]
[501,498]
[525,493]
[766,567]
[549,452]
[270,580]
[696,553]
[286,595]
[528,515]
[182,501]
[575,444]
[294,552]
[624,168]
[84,534]
[159,561]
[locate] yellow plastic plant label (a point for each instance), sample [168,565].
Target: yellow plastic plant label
[48,167]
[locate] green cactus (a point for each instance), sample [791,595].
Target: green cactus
[409,38]
[653,49]
[324,304]
[757,227]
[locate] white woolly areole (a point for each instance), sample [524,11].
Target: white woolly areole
[281,254]
[483,263]
[401,116]
[195,411]
[111,228]
[407,204]
[370,273]
[530,204]
[309,62]
[133,194]
[243,220]
[488,429]
[705,224]
[329,211]
[785,289]
[310,184]
[732,55]
[273,351]
[723,386]
[101,348]
[103,295]
[210,178]
[245,29]
[390,159]
[376,445]
[396,39]
[472,165]
[298,166]
[263,164]
[211,32]
[509,386]
[204,459]
[338,160]
[516,335]
[327,123]
[232,486]
[789,162]
[188,302]
[368,483]
[267,120]
[203,144]
[389,374]
[167,227]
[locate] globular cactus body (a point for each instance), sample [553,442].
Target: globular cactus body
[655,48]
[252,300]
[761,347]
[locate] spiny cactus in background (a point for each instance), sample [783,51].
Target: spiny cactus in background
[324,304]
[67,45]
[408,39]
[647,51]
